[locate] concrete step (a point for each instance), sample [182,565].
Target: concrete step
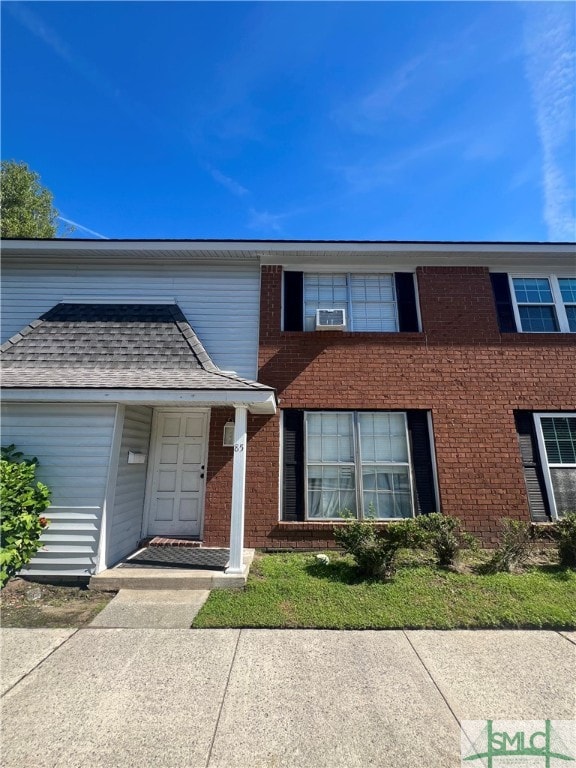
[120,577]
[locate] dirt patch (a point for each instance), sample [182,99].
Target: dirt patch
[27,604]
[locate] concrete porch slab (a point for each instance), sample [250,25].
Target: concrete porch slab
[117,578]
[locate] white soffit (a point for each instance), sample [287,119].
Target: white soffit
[263,402]
[306,254]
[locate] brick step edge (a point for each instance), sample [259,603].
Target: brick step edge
[166,541]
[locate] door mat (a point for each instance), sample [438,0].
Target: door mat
[179,557]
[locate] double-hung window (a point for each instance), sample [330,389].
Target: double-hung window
[359,462]
[368,300]
[544,304]
[556,433]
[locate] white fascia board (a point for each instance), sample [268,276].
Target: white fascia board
[554,259]
[285,251]
[261,402]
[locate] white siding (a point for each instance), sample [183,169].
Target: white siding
[220,301]
[72,443]
[126,522]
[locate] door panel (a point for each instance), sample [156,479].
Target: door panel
[177,485]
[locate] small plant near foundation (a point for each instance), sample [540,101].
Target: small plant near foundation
[443,534]
[23,500]
[375,547]
[514,548]
[565,533]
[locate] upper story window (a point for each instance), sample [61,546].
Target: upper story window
[544,304]
[371,302]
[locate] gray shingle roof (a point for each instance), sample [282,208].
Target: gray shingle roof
[144,346]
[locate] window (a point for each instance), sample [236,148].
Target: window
[371,302]
[557,442]
[545,304]
[359,462]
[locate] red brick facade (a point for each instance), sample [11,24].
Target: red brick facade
[460,367]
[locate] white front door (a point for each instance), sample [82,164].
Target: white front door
[176,495]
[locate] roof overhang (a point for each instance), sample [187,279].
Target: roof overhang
[258,402]
[296,254]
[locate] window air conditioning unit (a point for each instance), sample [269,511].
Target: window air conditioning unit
[330,319]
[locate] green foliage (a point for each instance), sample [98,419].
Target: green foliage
[514,547]
[444,535]
[375,547]
[23,500]
[565,530]
[26,206]
[291,590]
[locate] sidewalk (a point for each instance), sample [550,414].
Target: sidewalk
[114,698]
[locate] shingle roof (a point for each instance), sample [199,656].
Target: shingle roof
[144,346]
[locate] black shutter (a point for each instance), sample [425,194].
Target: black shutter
[537,499]
[503,299]
[293,301]
[406,298]
[293,466]
[422,466]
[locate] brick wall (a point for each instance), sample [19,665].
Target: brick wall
[460,368]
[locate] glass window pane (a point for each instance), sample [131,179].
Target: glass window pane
[392,497]
[373,303]
[538,319]
[571,312]
[331,490]
[564,486]
[568,289]
[383,437]
[323,292]
[560,439]
[532,290]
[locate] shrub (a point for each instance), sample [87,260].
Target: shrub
[375,547]
[565,531]
[443,534]
[514,547]
[23,500]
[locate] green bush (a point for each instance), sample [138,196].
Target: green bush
[23,500]
[565,530]
[375,547]
[444,536]
[514,547]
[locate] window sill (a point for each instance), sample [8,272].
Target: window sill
[526,337]
[356,335]
[320,525]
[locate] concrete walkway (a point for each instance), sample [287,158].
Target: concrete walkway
[147,698]
[152,608]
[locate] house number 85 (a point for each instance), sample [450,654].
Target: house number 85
[238,447]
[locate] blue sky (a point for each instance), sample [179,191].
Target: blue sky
[297,120]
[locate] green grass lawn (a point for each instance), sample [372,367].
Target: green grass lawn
[294,590]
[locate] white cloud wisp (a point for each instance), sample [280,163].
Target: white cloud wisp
[550,69]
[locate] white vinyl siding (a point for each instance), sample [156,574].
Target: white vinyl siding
[127,514]
[72,444]
[221,301]
[369,300]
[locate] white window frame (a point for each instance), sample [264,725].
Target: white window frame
[357,465]
[544,463]
[349,303]
[557,301]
